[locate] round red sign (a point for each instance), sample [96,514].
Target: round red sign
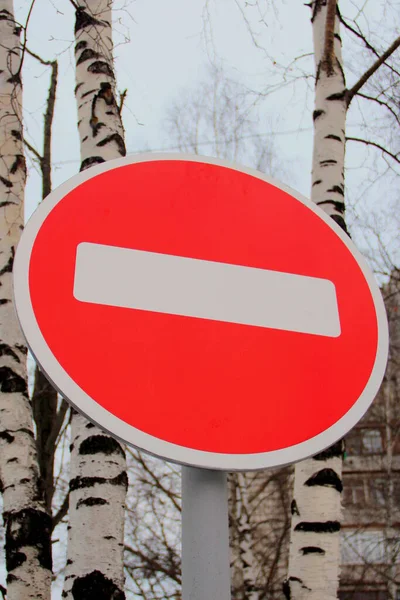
[201,311]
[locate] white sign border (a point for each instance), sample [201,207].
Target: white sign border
[127,433]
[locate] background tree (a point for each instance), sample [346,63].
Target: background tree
[316,509]
[98,478]
[26,519]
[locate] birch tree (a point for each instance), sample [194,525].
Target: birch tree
[98,478]
[316,509]
[27,522]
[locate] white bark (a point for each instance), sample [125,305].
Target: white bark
[28,550]
[98,484]
[314,556]
[100,127]
[98,480]
[246,555]
[314,544]
[329,119]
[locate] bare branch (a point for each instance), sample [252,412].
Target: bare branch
[369,143]
[364,78]
[33,150]
[25,28]
[362,37]
[39,58]
[381,103]
[58,517]
[122,100]
[47,133]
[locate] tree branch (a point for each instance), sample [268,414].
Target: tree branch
[25,28]
[47,133]
[362,37]
[58,517]
[39,58]
[364,78]
[381,103]
[122,100]
[369,143]
[33,150]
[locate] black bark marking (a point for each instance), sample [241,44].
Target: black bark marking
[9,266]
[96,586]
[337,189]
[325,478]
[19,163]
[4,301]
[336,450]
[106,93]
[87,54]
[91,502]
[341,222]
[286,586]
[339,206]
[6,350]
[88,93]
[329,161]
[17,134]
[317,113]
[337,96]
[11,382]
[100,443]
[317,182]
[80,46]
[92,160]
[5,15]
[27,527]
[6,203]
[9,437]
[95,125]
[101,66]
[84,19]
[331,136]
[294,509]
[89,426]
[15,78]
[311,550]
[77,88]
[79,483]
[318,527]
[22,349]
[114,137]
[6,182]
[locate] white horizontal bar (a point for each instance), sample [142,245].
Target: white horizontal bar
[204,289]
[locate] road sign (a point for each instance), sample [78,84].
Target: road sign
[201,311]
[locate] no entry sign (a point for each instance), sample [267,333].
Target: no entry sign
[200,311]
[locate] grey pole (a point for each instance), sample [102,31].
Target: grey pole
[205,535]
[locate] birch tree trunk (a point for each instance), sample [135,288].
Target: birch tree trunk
[27,524]
[98,480]
[314,555]
[245,538]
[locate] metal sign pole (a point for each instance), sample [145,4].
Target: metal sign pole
[205,535]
